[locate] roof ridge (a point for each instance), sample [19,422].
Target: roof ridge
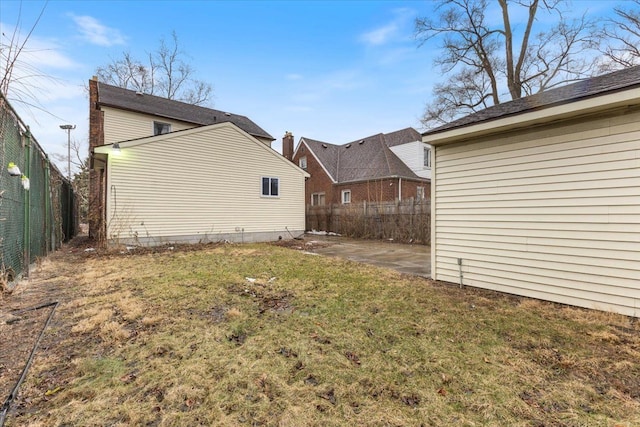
[130,100]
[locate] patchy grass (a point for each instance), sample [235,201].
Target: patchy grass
[264,335]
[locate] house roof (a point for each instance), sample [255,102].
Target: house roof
[117,97]
[594,86]
[365,158]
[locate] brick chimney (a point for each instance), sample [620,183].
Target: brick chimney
[96,131]
[287,145]
[96,177]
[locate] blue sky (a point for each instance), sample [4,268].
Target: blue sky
[333,71]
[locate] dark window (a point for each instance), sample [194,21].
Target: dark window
[270,186]
[317,199]
[160,128]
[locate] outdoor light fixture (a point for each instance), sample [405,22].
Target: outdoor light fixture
[115,149]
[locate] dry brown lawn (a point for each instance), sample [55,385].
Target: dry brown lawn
[266,335]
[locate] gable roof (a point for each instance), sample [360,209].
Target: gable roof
[594,86]
[117,97]
[365,158]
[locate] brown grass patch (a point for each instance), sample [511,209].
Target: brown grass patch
[184,338]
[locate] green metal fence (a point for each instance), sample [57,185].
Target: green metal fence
[33,221]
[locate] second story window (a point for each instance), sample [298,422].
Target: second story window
[303,162]
[427,156]
[160,128]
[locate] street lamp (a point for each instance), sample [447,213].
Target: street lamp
[68,128]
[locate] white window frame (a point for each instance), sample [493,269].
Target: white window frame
[346,193]
[303,162]
[156,122]
[317,196]
[420,193]
[270,187]
[426,156]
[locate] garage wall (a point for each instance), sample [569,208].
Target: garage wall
[551,213]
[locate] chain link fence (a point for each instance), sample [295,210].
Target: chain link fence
[36,205]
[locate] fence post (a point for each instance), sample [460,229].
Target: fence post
[27,204]
[48,226]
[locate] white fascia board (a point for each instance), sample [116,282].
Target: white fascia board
[558,112]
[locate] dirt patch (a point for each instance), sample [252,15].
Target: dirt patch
[302,244]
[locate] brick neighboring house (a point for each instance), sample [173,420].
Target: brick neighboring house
[379,168]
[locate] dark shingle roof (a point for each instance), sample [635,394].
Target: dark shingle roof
[113,96]
[365,158]
[402,136]
[612,82]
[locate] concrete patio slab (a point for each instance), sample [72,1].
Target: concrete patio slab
[405,258]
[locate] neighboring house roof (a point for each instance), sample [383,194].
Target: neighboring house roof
[364,158]
[117,97]
[595,86]
[402,136]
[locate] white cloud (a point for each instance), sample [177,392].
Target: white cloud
[37,52]
[294,76]
[392,31]
[97,33]
[380,35]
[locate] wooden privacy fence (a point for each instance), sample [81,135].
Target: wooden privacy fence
[403,221]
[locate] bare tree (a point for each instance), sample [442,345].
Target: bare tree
[620,42]
[20,80]
[163,73]
[485,60]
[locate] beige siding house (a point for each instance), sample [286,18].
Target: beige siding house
[540,197]
[158,178]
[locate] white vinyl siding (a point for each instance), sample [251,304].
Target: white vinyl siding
[551,213]
[120,125]
[204,181]
[412,154]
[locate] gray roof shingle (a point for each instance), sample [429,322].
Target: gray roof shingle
[117,97]
[594,86]
[365,158]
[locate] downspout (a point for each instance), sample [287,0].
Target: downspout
[27,205]
[433,241]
